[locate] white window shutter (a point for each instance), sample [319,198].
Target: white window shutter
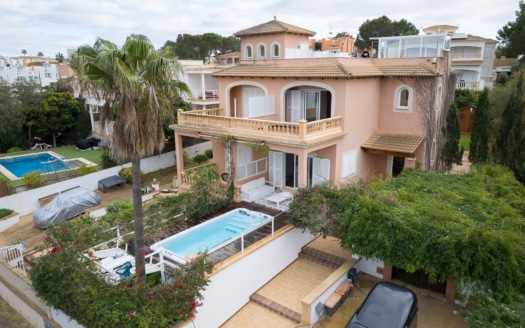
[276,169]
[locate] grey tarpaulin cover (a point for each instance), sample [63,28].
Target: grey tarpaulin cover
[65,206]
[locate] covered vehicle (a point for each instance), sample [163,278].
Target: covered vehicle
[65,205]
[386,305]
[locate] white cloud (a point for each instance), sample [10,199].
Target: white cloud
[53,26]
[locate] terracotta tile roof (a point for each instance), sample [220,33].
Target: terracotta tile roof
[499,62]
[274,26]
[471,37]
[324,71]
[393,142]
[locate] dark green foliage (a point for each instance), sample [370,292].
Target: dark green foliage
[451,154]
[318,209]
[461,226]
[202,46]
[209,153]
[56,113]
[81,128]
[511,37]
[200,158]
[106,161]
[207,193]
[5,212]
[479,140]
[511,137]
[465,98]
[382,27]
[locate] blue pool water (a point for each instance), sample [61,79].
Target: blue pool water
[43,162]
[213,233]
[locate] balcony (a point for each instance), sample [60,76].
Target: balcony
[204,96]
[468,85]
[212,123]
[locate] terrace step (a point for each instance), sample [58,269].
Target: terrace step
[322,258]
[276,307]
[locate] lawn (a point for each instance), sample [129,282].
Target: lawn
[464,141]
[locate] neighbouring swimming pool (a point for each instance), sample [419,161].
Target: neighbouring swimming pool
[213,234]
[15,167]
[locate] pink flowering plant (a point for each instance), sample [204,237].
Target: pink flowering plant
[69,281]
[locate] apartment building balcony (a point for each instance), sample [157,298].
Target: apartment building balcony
[212,123]
[468,85]
[203,97]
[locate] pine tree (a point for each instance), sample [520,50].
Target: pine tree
[511,137]
[451,154]
[479,140]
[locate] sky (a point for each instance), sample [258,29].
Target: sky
[53,26]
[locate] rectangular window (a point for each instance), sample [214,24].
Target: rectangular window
[349,167]
[47,74]
[487,52]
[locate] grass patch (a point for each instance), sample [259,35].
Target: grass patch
[464,141]
[164,176]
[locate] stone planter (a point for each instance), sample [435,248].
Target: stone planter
[8,221]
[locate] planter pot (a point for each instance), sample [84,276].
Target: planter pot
[8,221]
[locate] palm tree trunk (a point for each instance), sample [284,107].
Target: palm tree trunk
[138,219]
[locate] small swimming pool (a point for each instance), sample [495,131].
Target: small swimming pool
[16,166]
[213,234]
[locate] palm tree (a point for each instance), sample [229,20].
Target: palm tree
[138,84]
[60,57]
[24,52]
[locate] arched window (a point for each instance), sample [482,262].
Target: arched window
[262,51]
[275,50]
[403,99]
[248,52]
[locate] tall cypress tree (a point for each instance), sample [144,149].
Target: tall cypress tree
[511,137]
[451,154]
[479,140]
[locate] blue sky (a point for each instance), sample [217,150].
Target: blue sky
[53,26]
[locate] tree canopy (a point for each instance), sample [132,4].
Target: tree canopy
[383,27]
[450,153]
[11,119]
[479,139]
[55,114]
[188,46]
[511,137]
[511,36]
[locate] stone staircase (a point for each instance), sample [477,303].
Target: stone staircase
[307,253]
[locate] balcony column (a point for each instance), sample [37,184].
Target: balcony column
[302,169]
[203,87]
[179,156]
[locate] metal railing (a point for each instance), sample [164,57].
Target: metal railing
[14,255]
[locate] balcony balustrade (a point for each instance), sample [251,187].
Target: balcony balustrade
[467,85]
[211,120]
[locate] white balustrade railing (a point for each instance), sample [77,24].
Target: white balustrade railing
[14,255]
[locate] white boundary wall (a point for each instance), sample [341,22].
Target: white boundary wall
[27,202]
[198,149]
[230,289]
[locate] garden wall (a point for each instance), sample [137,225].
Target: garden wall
[27,202]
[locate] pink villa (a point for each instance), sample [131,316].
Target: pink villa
[319,113]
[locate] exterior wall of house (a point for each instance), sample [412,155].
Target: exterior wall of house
[284,41]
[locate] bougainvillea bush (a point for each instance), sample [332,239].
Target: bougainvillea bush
[66,279]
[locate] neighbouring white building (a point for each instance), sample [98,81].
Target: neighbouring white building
[472,57]
[43,71]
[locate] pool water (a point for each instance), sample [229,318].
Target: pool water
[212,234]
[42,162]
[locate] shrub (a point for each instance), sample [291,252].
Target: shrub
[188,161]
[105,159]
[15,150]
[84,169]
[209,153]
[5,212]
[33,180]
[127,174]
[199,159]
